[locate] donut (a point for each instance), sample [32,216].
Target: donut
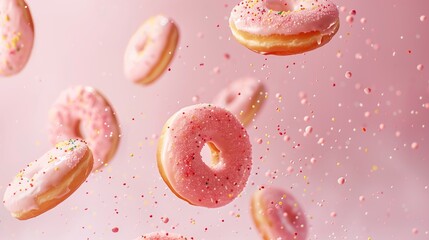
[162,236]
[17,32]
[277,215]
[243,97]
[84,113]
[284,27]
[180,163]
[151,49]
[49,180]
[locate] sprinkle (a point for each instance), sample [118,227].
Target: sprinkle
[367,90]
[308,130]
[195,99]
[216,70]
[165,219]
[286,138]
[348,74]
[420,67]
[341,180]
[306,118]
[358,56]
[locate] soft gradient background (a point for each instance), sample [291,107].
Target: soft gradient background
[83,41]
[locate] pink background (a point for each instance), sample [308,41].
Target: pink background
[82,42]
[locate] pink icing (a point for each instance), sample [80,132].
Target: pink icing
[283,217]
[146,47]
[285,17]
[17,33]
[239,97]
[184,136]
[163,236]
[42,175]
[84,111]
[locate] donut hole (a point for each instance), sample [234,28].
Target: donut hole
[141,44]
[279,5]
[210,154]
[81,130]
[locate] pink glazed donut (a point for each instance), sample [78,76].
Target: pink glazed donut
[49,180]
[163,236]
[17,32]
[82,112]
[277,215]
[150,50]
[180,162]
[243,97]
[284,27]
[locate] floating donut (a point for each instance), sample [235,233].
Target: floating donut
[277,215]
[17,32]
[243,97]
[151,49]
[82,112]
[49,180]
[284,27]
[163,236]
[180,162]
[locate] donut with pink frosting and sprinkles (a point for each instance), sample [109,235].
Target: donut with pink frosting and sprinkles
[182,167]
[284,27]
